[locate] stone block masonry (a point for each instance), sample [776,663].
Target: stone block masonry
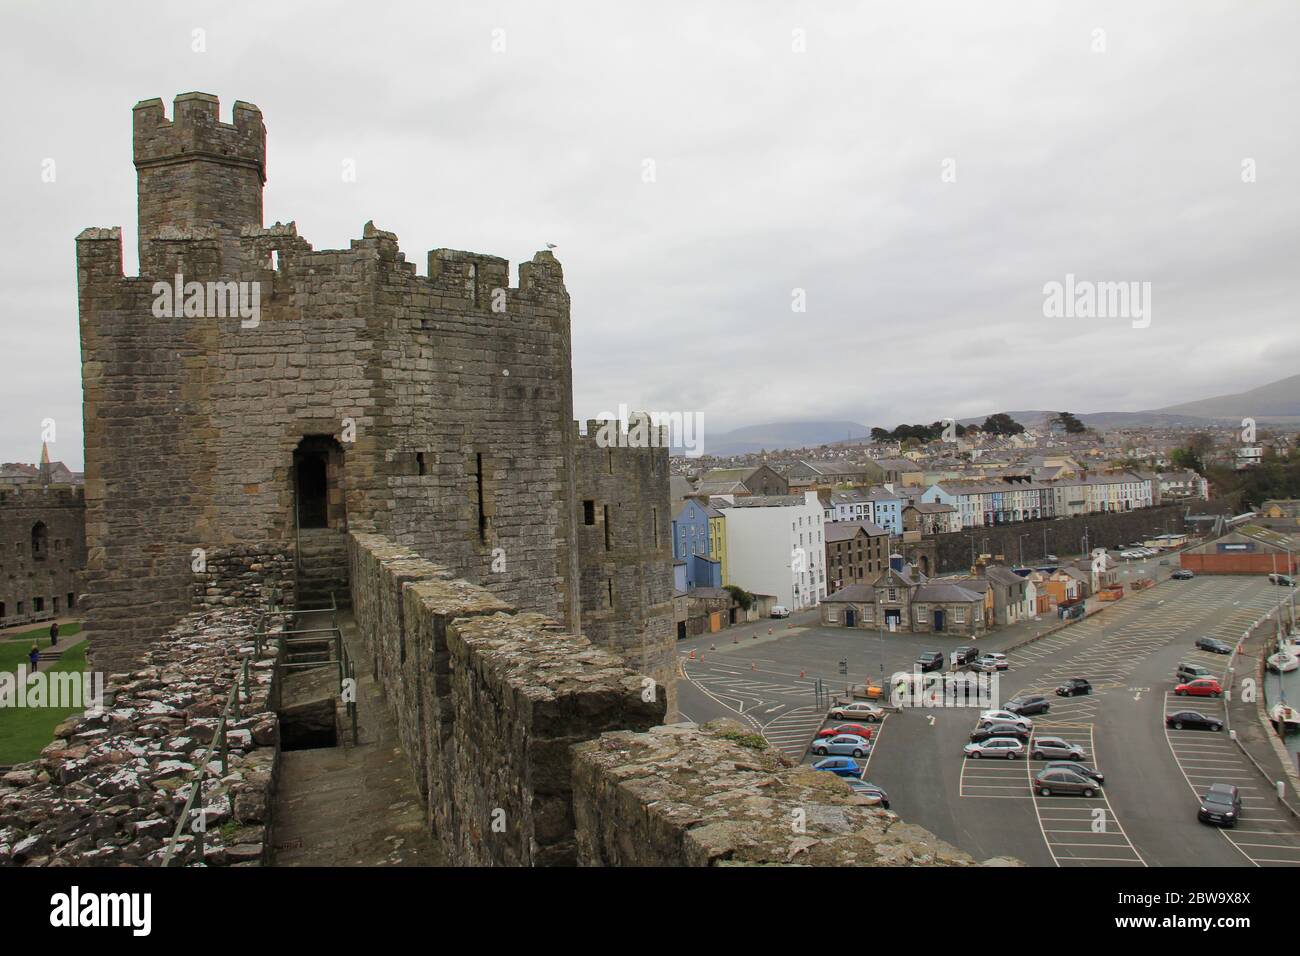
[433,409]
[718,795]
[489,703]
[42,553]
[109,789]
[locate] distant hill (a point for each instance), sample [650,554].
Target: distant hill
[753,438]
[1277,401]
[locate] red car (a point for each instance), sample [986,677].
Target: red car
[863,732]
[1201,687]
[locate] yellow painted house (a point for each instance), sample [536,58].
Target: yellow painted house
[718,541]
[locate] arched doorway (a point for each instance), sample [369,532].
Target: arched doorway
[318,482]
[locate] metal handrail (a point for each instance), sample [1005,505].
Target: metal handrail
[196,788]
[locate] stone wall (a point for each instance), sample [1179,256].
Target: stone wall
[488,703]
[684,795]
[532,747]
[624,536]
[1064,535]
[110,788]
[50,577]
[447,396]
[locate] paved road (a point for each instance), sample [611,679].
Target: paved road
[1146,815]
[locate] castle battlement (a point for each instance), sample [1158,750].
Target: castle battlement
[196,131]
[42,496]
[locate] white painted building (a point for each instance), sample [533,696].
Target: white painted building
[776,545]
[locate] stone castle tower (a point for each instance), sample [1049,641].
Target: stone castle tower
[248,400]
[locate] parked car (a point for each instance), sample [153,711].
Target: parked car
[1048,782]
[1079,768]
[870,791]
[1285,580]
[1007,748]
[1054,748]
[1213,645]
[1192,720]
[1188,672]
[859,709]
[966,655]
[850,744]
[780,610]
[1051,558]
[990,717]
[863,732]
[840,766]
[867,691]
[1001,659]
[987,664]
[1073,687]
[998,730]
[1027,704]
[1182,574]
[1221,804]
[1201,687]
[929,661]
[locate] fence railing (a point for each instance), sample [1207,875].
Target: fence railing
[240,693]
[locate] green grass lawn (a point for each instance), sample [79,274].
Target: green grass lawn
[42,634]
[24,731]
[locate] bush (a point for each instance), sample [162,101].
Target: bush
[740,596]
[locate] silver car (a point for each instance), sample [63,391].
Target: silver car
[1053,780]
[1007,748]
[991,717]
[847,745]
[1054,748]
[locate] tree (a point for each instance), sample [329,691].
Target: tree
[1070,423]
[1002,424]
[879,434]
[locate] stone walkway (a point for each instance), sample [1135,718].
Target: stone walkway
[352,805]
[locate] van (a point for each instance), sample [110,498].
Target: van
[780,610]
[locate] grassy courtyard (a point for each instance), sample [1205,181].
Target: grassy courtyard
[24,731]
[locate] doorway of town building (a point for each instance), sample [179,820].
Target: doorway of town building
[938,620]
[850,619]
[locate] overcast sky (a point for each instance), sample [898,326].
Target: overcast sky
[774,170]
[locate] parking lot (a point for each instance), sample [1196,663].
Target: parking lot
[1145,813]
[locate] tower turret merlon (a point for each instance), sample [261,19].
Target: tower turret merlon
[194,171]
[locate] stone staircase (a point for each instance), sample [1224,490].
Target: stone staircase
[322,568]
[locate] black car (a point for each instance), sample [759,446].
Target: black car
[1221,804]
[1027,704]
[1213,645]
[930,661]
[981,734]
[1285,580]
[1182,574]
[1073,687]
[1082,769]
[965,655]
[1192,720]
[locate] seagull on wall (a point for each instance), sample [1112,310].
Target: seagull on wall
[550,245]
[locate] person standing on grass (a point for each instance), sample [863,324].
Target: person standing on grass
[34,655]
[54,634]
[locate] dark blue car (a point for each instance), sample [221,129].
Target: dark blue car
[840,766]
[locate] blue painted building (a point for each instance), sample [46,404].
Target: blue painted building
[691,545]
[887,509]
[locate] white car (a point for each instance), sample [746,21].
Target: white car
[859,709]
[990,717]
[1131,555]
[1007,748]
